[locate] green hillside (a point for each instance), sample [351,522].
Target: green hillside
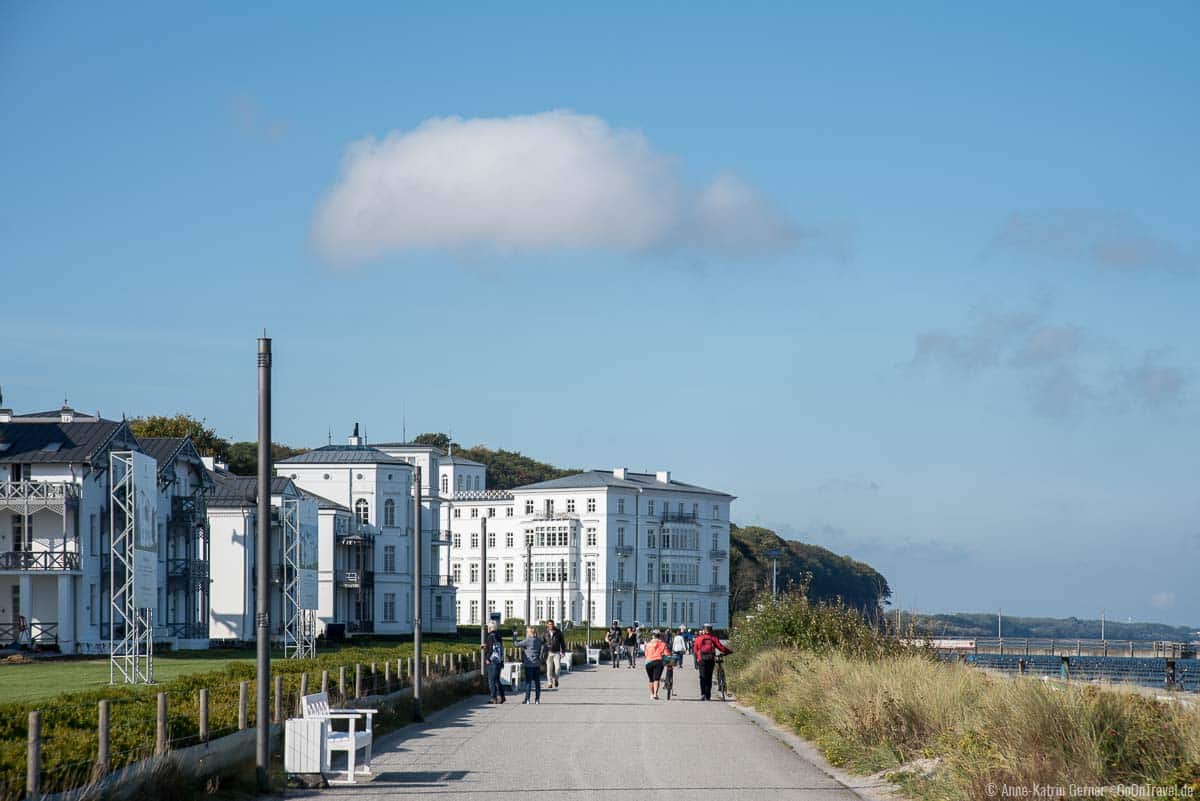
[983,624]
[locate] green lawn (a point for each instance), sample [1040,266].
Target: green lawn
[44,679]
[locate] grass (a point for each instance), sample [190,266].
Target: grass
[869,715]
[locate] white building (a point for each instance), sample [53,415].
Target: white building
[643,546]
[377,488]
[233,525]
[55,495]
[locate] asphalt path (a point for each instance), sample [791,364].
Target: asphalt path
[599,735]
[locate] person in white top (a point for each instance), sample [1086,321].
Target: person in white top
[679,646]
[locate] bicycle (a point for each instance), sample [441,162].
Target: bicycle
[720,671]
[668,679]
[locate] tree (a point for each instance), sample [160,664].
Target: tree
[243,456]
[182,425]
[436,440]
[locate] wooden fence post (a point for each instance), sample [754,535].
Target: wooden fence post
[204,714]
[325,681]
[341,682]
[358,684]
[102,739]
[33,759]
[303,692]
[243,698]
[160,731]
[387,676]
[278,698]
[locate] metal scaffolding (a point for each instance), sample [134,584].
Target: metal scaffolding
[130,629]
[299,625]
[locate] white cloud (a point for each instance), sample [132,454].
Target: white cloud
[550,181]
[1113,241]
[1162,600]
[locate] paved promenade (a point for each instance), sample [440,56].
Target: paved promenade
[598,736]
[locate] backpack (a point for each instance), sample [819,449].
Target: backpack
[705,648]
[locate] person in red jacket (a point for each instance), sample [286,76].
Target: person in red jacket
[705,648]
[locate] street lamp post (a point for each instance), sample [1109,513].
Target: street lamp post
[528,582]
[562,590]
[774,553]
[483,582]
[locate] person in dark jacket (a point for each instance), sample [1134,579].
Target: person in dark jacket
[533,651]
[630,644]
[555,647]
[613,638]
[493,657]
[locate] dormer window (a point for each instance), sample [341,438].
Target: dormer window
[51,447]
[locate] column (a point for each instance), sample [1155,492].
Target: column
[66,615]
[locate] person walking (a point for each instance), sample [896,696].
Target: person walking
[656,649]
[679,646]
[705,648]
[556,646]
[533,651]
[631,646]
[493,657]
[613,638]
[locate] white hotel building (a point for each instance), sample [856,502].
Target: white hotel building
[643,546]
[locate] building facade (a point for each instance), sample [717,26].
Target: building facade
[598,546]
[55,532]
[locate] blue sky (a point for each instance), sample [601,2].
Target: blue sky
[917,284]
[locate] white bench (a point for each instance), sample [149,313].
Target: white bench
[351,741]
[510,674]
[593,656]
[564,661]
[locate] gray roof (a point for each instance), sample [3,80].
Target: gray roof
[452,459]
[343,454]
[323,502]
[633,481]
[231,490]
[166,450]
[78,443]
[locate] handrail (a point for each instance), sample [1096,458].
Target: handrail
[718,553]
[720,588]
[11,491]
[39,560]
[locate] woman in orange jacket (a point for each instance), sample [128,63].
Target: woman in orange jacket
[656,650]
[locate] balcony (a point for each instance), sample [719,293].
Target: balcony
[623,586]
[624,550]
[38,560]
[717,553]
[355,579]
[441,538]
[21,495]
[544,515]
[189,510]
[438,581]
[680,517]
[357,534]
[718,589]
[189,570]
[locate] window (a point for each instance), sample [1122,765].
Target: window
[529,506]
[620,506]
[650,572]
[621,570]
[474,611]
[508,609]
[649,611]
[458,484]
[618,610]
[716,539]
[574,572]
[457,538]
[550,609]
[539,609]
[458,611]
[591,504]
[591,538]
[664,618]
[445,485]
[389,607]
[476,483]
[491,539]
[389,559]
[570,504]
[92,599]
[591,611]
[549,506]
[650,507]
[491,606]
[456,573]
[591,572]
[691,618]
[437,607]
[695,510]
[716,512]
[620,537]
[389,512]
[491,511]
[474,511]
[508,512]
[474,539]
[712,612]
[491,572]
[650,538]
[508,539]
[474,573]
[715,574]
[508,572]
[93,536]
[678,508]
[362,510]
[458,512]
[528,537]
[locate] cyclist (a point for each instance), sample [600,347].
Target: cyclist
[656,649]
[706,647]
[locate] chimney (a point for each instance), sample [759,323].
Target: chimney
[66,414]
[355,439]
[619,472]
[663,476]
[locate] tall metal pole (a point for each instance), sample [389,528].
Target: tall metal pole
[262,558]
[483,618]
[562,590]
[589,607]
[774,577]
[416,688]
[528,583]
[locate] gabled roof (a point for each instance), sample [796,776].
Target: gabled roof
[451,458]
[323,502]
[344,454]
[61,443]
[167,450]
[632,481]
[231,490]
